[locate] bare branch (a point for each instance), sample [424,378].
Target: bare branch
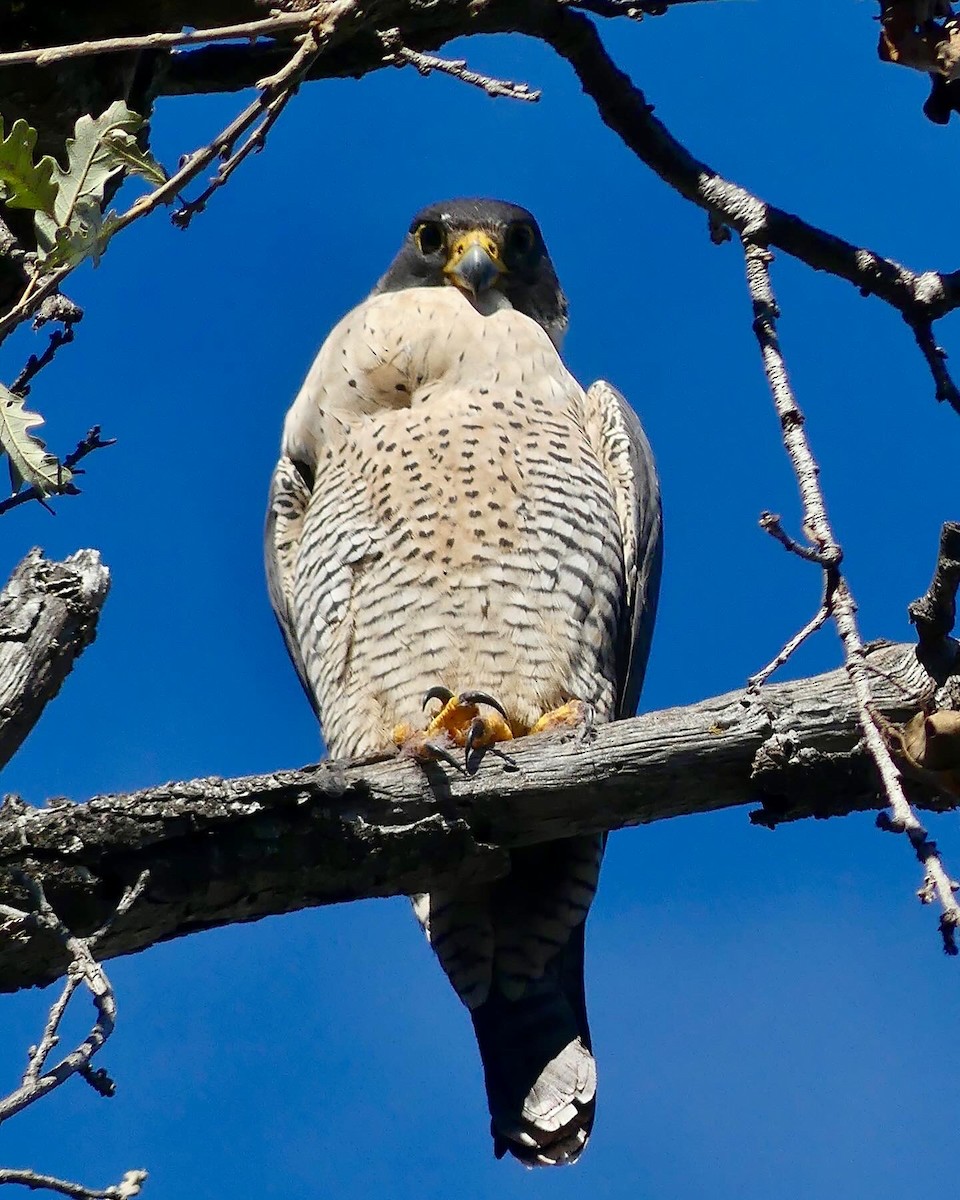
[127,1188]
[221,851]
[276,92]
[46,56]
[456,67]
[824,556]
[92,441]
[936,358]
[35,363]
[818,529]
[624,108]
[35,1086]
[51,1037]
[817,621]
[48,617]
[935,612]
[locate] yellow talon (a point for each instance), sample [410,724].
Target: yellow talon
[458,723]
[568,716]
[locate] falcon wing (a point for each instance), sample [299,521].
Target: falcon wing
[618,438]
[286,511]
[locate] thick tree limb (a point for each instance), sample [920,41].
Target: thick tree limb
[48,617]
[221,851]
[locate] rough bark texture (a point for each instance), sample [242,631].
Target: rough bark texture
[48,617]
[222,851]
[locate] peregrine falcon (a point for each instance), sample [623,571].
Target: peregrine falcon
[463,546]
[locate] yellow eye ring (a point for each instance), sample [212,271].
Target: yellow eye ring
[429,237]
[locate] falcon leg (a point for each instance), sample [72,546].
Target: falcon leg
[458,723]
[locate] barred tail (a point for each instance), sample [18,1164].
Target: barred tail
[540,1074]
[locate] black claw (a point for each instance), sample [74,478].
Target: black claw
[475,731]
[444,755]
[508,762]
[483,698]
[438,693]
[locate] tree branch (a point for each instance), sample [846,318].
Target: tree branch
[222,851]
[623,107]
[48,617]
[840,602]
[127,1188]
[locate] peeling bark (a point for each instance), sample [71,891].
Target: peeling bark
[48,617]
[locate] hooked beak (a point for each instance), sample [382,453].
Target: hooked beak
[475,264]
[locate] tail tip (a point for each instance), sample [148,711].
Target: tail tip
[560,1148]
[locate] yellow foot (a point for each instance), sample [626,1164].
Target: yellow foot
[575,714]
[458,723]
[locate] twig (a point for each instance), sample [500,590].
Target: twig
[85,446]
[402,55]
[35,363]
[818,529]
[127,1188]
[41,1052]
[82,963]
[47,55]
[817,621]
[129,898]
[935,612]
[279,88]
[826,556]
[936,358]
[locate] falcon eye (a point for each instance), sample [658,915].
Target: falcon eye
[520,240]
[429,237]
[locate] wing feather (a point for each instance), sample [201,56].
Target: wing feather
[618,438]
[286,511]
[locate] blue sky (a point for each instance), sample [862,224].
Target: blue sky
[771,1012]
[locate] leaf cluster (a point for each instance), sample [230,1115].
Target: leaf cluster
[70,224]
[68,202]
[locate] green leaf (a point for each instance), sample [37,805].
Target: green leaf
[85,237]
[135,161]
[29,460]
[24,183]
[103,148]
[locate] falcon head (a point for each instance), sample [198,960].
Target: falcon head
[492,251]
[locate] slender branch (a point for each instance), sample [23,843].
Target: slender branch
[35,1086]
[36,291]
[50,1038]
[321,21]
[48,55]
[817,621]
[35,363]
[276,92]
[456,67]
[92,441]
[936,358]
[818,529]
[127,1188]
[824,556]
